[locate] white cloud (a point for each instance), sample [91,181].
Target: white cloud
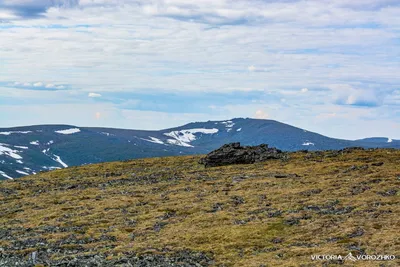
[326,115]
[211,46]
[251,68]
[50,85]
[108,49]
[347,95]
[304,90]
[261,114]
[94,95]
[6,15]
[38,84]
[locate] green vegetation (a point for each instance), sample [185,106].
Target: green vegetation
[271,213]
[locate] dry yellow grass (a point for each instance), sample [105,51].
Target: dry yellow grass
[241,215]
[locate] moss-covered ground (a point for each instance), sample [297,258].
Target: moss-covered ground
[275,213]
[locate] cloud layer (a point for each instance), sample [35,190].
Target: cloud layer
[297,61]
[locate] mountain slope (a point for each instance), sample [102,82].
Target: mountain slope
[28,150]
[171,211]
[382,140]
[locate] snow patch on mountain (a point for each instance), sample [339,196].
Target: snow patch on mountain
[228,125]
[50,142]
[15,132]
[36,143]
[50,168]
[69,131]
[389,140]
[19,161]
[54,157]
[9,152]
[23,147]
[178,143]
[108,134]
[183,137]
[238,130]
[5,175]
[153,140]
[307,144]
[58,159]
[21,172]
[29,169]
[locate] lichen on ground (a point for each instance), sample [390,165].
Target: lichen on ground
[174,211]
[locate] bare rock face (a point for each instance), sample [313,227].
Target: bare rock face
[233,153]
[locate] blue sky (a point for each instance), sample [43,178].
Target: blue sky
[327,66]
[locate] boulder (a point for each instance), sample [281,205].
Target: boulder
[234,153]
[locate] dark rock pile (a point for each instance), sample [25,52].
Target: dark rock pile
[233,153]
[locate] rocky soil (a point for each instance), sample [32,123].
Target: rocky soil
[173,211]
[43,258]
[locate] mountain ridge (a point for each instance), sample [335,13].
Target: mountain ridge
[30,149]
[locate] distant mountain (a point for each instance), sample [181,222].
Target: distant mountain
[31,149]
[378,140]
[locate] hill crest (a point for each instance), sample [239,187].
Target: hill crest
[171,210]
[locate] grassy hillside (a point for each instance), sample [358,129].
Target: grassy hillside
[276,213]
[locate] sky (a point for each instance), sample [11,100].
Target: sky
[328,66]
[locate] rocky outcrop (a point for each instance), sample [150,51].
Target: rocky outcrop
[234,153]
